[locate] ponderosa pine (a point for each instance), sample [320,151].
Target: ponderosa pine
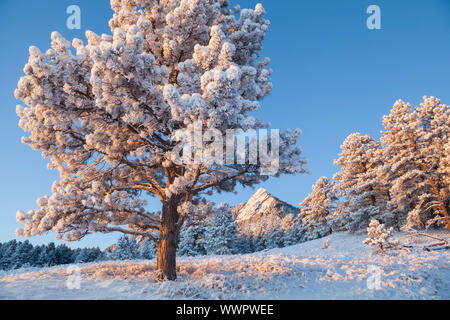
[107,114]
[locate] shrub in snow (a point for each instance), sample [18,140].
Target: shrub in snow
[379,237]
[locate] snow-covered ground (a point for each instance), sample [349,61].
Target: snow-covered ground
[346,269]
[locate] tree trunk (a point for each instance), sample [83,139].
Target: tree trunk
[167,247]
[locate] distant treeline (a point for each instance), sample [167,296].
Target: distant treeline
[215,234]
[17,254]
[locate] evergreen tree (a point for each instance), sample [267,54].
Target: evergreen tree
[257,244]
[9,255]
[148,249]
[192,232]
[415,140]
[293,230]
[43,257]
[50,253]
[63,254]
[275,239]
[221,235]
[316,209]
[243,245]
[126,249]
[34,256]
[109,115]
[91,255]
[22,254]
[363,192]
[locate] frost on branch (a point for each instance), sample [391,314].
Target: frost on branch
[379,237]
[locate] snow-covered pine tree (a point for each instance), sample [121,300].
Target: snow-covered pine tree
[274,239]
[363,193]
[63,254]
[221,235]
[8,251]
[415,140]
[34,257]
[50,254]
[148,249]
[108,114]
[190,240]
[316,208]
[243,244]
[91,255]
[42,259]
[126,248]
[22,254]
[83,256]
[257,243]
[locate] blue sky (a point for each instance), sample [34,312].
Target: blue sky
[332,77]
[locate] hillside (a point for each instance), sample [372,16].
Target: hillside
[338,266]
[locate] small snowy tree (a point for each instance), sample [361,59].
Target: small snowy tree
[109,114]
[380,237]
[243,244]
[221,235]
[415,142]
[316,208]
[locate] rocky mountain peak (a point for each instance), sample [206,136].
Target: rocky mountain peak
[262,212]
